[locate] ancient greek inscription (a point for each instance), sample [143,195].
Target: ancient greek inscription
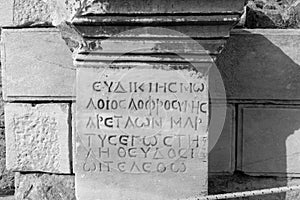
[142,123]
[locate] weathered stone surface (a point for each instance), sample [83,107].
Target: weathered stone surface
[31,12]
[55,12]
[6,177]
[273,14]
[261,65]
[37,137]
[270,71]
[44,187]
[25,13]
[64,11]
[162,6]
[115,165]
[1,109]
[270,140]
[219,184]
[42,54]
[221,158]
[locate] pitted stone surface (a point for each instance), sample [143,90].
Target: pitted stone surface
[273,14]
[37,137]
[62,11]
[31,12]
[6,176]
[44,187]
[37,12]
[54,12]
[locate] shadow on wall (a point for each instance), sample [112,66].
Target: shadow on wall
[261,74]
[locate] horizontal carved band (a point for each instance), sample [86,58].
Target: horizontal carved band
[155,19]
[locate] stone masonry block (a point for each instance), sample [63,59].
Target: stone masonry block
[36,64]
[44,187]
[261,64]
[37,137]
[31,12]
[6,176]
[270,140]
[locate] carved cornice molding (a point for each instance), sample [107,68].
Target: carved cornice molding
[206,21]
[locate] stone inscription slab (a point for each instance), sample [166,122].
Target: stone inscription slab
[141,134]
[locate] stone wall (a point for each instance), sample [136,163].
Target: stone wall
[260,68]
[6,176]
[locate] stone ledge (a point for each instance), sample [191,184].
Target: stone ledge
[26,13]
[256,64]
[7,198]
[261,65]
[240,182]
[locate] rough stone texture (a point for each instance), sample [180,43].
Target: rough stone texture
[54,12]
[162,6]
[1,109]
[273,14]
[37,137]
[44,187]
[42,54]
[6,177]
[219,184]
[31,12]
[270,140]
[64,11]
[25,13]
